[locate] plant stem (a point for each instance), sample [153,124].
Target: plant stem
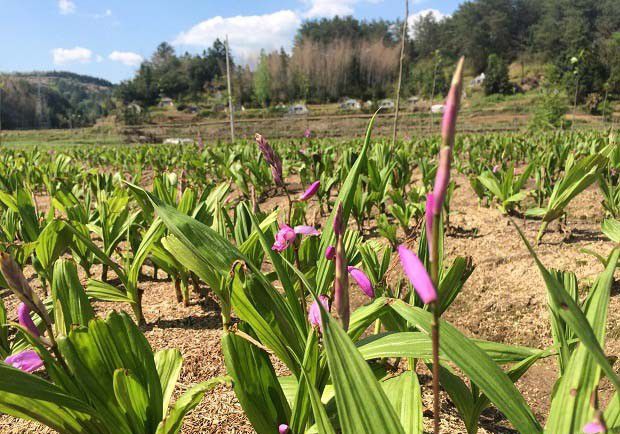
[435,324]
[290,206]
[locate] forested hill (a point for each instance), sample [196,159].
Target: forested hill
[52,99]
[574,45]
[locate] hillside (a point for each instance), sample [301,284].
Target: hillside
[52,99]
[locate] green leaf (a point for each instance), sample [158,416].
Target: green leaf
[255,384]
[30,397]
[362,404]
[476,365]
[173,422]
[132,398]
[571,407]
[71,305]
[573,316]
[105,292]
[168,363]
[52,242]
[405,395]
[611,228]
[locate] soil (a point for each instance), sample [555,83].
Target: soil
[504,300]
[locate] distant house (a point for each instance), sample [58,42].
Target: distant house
[166,102]
[478,81]
[298,109]
[437,108]
[386,104]
[350,104]
[178,141]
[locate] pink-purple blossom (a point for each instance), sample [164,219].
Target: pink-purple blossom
[283,429]
[27,361]
[595,427]
[286,236]
[417,275]
[311,191]
[270,156]
[25,320]
[314,312]
[330,253]
[362,281]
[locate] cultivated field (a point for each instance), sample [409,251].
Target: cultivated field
[187,257]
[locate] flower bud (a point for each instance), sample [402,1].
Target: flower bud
[362,281]
[23,316]
[330,253]
[417,275]
[19,285]
[311,191]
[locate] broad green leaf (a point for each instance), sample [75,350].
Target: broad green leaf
[362,404]
[405,395]
[30,397]
[173,422]
[132,398]
[168,363]
[572,314]
[255,384]
[476,365]
[72,307]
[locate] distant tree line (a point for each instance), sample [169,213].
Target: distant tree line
[52,100]
[579,41]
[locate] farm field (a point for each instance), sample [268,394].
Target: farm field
[79,215]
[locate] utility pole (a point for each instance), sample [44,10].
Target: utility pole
[230,102]
[400,73]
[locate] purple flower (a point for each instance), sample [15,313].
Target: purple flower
[283,429]
[448,131]
[311,191]
[271,158]
[448,122]
[287,235]
[362,281]
[330,253]
[314,312]
[23,316]
[594,428]
[496,168]
[419,278]
[307,133]
[442,179]
[27,361]
[430,204]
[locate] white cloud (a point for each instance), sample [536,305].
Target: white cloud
[126,58]
[66,7]
[247,34]
[106,14]
[331,8]
[413,19]
[64,56]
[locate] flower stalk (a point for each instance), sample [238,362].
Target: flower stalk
[442,181]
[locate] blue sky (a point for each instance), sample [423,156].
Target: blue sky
[109,38]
